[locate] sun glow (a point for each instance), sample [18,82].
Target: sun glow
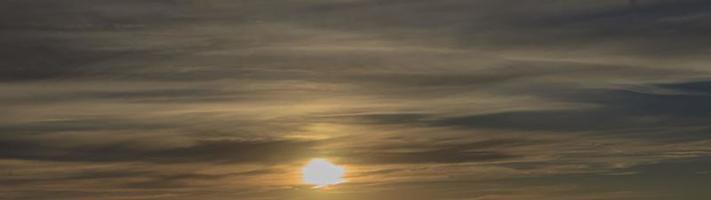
[322,173]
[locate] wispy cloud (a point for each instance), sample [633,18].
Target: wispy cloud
[217,99]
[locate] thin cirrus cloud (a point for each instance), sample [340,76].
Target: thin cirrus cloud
[179,99]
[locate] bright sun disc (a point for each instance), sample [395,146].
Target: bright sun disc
[321,173]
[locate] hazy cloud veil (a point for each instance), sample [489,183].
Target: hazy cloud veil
[422,100]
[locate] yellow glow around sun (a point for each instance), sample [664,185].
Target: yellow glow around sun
[322,173]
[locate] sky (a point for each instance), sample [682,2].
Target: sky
[415,99]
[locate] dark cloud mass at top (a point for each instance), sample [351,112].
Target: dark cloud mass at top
[421,100]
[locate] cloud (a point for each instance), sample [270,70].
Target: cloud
[428,153]
[221,151]
[613,109]
[218,99]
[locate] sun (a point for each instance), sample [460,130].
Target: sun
[322,173]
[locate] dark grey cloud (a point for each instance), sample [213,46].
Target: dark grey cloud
[130,148]
[670,27]
[614,109]
[180,95]
[434,151]
[694,87]
[96,48]
[40,58]
[97,123]
[444,155]
[63,40]
[683,179]
[221,151]
[184,180]
[84,175]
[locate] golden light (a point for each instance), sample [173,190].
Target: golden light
[322,173]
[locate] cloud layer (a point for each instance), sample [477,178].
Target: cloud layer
[449,99]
